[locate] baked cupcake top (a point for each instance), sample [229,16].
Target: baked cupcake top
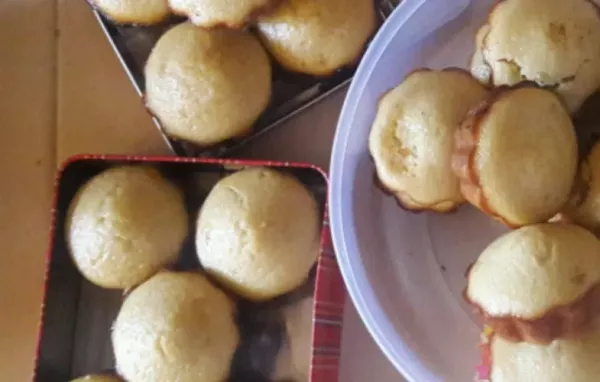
[318,36]
[536,283]
[214,13]
[143,12]
[412,137]
[207,86]
[516,156]
[574,360]
[124,225]
[584,206]
[555,43]
[258,233]
[175,327]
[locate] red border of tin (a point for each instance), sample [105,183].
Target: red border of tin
[330,293]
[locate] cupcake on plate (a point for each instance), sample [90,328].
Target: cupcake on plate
[124,225]
[207,86]
[216,13]
[584,206]
[572,360]
[554,43]
[141,12]
[318,37]
[538,283]
[412,137]
[516,156]
[175,327]
[258,233]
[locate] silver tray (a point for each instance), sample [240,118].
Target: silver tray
[292,92]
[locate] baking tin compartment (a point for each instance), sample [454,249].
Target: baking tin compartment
[292,92]
[77,316]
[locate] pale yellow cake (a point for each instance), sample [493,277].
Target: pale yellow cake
[532,270]
[217,13]
[124,225]
[175,327]
[318,36]
[412,137]
[143,12]
[584,208]
[258,233]
[555,43]
[207,86]
[517,156]
[574,360]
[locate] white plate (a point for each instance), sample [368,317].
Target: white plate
[405,271]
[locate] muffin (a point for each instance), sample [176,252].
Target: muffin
[516,156]
[124,225]
[207,86]
[584,206]
[573,360]
[318,37]
[554,43]
[412,137]
[537,283]
[175,327]
[258,233]
[98,378]
[214,13]
[293,360]
[142,12]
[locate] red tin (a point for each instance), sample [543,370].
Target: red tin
[74,335]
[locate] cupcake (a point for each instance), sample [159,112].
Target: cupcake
[124,225]
[207,86]
[215,13]
[554,43]
[97,378]
[584,206]
[258,233]
[538,283]
[142,12]
[175,327]
[516,156]
[412,137]
[572,360]
[318,37]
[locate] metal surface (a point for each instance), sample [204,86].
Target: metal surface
[74,336]
[292,92]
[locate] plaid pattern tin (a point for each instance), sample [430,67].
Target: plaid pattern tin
[66,330]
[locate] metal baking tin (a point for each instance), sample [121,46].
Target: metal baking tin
[74,334]
[292,93]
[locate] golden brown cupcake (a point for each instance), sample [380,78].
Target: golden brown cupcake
[214,13]
[516,156]
[584,206]
[98,378]
[412,137]
[572,360]
[207,86]
[175,327]
[537,283]
[258,233]
[318,36]
[554,43]
[124,225]
[142,12]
